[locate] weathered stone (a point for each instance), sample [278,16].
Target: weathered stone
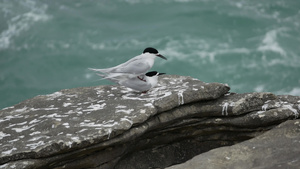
[235,104]
[115,127]
[277,148]
[73,119]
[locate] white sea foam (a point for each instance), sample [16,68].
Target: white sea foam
[269,43]
[295,91]
[132,2]
[199,48]
[259,88]
[22,22]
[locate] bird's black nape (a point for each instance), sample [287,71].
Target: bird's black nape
[150,74]
[150,50]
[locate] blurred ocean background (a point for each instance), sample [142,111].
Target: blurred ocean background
[46,46]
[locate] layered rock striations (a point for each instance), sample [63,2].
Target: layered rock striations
[115,127]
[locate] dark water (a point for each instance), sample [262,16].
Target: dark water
[46,46]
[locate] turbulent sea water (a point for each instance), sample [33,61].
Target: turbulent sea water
[45,46]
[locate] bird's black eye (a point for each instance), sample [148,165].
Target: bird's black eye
[150,74]
[150,50]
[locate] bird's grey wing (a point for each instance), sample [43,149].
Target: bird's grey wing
[115,80]
[135,66]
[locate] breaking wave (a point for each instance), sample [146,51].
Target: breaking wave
[17,23]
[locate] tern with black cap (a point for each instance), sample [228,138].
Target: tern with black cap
[135,67]
[141,83]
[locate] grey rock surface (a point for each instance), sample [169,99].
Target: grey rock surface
[277,148]
[115,127]
[74,119]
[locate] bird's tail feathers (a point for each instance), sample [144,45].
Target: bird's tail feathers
[114,77]
[101,75]
[117,76]
[100,70]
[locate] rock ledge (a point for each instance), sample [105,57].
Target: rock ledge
[115,127]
